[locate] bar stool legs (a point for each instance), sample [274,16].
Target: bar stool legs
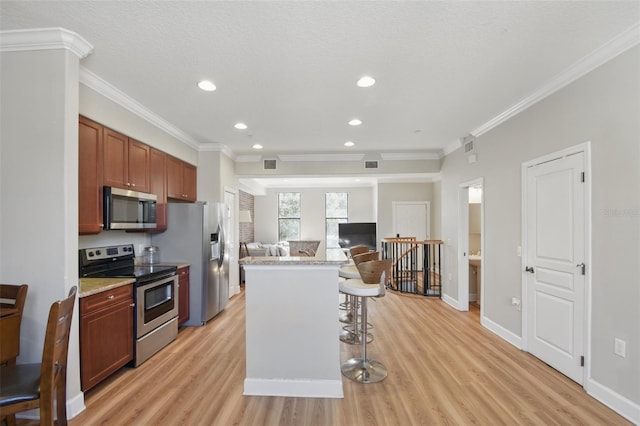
[364,370]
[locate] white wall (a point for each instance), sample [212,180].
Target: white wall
[602,107]
[312,226]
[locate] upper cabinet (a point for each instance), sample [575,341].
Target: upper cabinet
[109,158]
[158,176]
[90,177]
[181,180]
[126,162]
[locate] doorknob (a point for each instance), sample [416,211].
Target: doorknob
[529,269]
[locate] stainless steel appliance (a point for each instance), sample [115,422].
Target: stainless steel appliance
[155,295]
[125,209]
[196,235]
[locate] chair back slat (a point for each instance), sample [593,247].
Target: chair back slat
[366,257]
[359,249]
[374,271]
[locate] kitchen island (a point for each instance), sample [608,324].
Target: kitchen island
[292,329]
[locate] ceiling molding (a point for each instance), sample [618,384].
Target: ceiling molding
[44,39]
[114,94]
[402,156]
[600,56]
[217,147]
[320,157]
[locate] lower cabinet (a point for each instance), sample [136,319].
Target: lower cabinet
[183,295]
[106,334]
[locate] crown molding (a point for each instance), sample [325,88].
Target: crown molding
[114,94]
[598,57]
[217,147]
[320,157]
[44,39]
[403,156]
[451,146]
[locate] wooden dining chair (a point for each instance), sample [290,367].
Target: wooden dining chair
[11,308]
[28,386]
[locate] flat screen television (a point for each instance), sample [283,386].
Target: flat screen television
[356,233]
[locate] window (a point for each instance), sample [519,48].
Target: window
[336,206]
[288,216]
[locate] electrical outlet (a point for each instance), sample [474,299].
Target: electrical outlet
[450,276]
[620,347]
[519,251]
[516,302]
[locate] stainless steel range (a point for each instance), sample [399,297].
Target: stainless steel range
[156,294]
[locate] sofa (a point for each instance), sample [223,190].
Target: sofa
[258,249]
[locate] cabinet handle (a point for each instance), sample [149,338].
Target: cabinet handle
[133,184]
[133,305]
[111,296]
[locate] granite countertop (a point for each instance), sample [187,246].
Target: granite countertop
[328,257]
[90,286]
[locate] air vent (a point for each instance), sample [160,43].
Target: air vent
[370,164]
[469,144]
[269,164]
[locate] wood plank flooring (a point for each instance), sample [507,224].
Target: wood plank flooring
[444,368]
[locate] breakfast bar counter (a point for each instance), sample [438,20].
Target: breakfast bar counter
[292,329]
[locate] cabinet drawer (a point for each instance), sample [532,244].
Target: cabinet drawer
[106,298]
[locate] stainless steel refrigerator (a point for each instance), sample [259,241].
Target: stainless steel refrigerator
[195,235]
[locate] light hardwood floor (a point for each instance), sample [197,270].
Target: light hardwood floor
[444,368]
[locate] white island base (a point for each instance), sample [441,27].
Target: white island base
[292,327]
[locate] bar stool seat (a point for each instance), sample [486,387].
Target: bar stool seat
[350,333]
[349,271]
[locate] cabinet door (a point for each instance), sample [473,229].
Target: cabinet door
[189,182]
[89,177]
[138,166]
[158,186]
[115,159]
[183,295]
[106,337]
[174,178]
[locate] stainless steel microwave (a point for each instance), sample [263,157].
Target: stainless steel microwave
[125,209]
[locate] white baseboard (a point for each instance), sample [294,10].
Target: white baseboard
[505,334]
[75,406]
[618,403]
[295,388]
[450,301]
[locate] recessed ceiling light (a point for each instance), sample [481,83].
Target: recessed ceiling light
[349,144]
[355,122]
[257,146]
[240,126]
[207,85]
[366,81]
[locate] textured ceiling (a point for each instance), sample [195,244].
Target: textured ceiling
[288,69]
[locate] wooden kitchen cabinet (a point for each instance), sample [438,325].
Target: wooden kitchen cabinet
[158,183]
[181,180]
[183,295]
[106,334]
[126,162]
[90,157]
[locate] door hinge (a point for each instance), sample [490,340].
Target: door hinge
[582,361]
[582,177]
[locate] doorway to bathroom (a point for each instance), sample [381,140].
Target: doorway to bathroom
[471,245]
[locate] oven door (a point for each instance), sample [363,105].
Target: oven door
[157,303]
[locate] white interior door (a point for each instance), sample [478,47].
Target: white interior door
[555,253]
[411,219]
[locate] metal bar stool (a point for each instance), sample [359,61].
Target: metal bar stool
[350,271]
[372,284]
[351,333]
